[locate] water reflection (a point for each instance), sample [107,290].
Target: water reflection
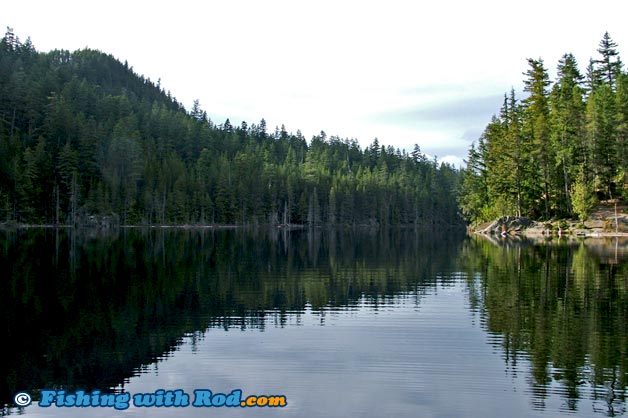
[563,304]
[85,310]
[97,310]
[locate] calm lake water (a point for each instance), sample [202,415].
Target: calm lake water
[343,324]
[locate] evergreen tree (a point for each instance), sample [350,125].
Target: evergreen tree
[584,199]
[593,77]
[566,120]
[537,126]
[600,134]
[609,64]
[621,130]
[67,183]
[563,140]
[80,132]
[474,198]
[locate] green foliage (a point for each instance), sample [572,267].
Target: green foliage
[82,134]
[536,129]
[529,157]
[567,128]
[583,198]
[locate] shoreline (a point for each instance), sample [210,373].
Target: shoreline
[538,235]
[167,226]
[609,219]
[11,225]
[537,230]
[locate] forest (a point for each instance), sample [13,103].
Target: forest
[558,151]
[82,136]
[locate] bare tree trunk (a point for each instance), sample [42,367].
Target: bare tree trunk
[57,205]
[567,194]
[74,198]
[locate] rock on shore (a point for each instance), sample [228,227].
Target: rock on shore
[507,225]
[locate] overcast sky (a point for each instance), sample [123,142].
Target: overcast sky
[405,72]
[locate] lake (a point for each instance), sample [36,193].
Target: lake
[371,323]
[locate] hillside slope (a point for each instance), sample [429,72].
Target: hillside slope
[83,135]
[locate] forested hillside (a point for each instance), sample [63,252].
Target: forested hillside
[555,152]
[82,134]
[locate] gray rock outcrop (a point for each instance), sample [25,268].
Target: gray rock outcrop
[507,225]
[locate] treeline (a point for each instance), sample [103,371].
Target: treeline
[81,134]
[558,150]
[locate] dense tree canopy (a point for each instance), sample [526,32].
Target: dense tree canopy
[557,150]
[81,134]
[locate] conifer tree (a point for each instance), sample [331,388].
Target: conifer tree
[81,132]
[566,120]
[536,126]
[600,134]
[621,130]
[567,137]
[609,65]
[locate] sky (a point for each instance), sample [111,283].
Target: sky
[404,72]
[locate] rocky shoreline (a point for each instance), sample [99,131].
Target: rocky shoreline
[609,220]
